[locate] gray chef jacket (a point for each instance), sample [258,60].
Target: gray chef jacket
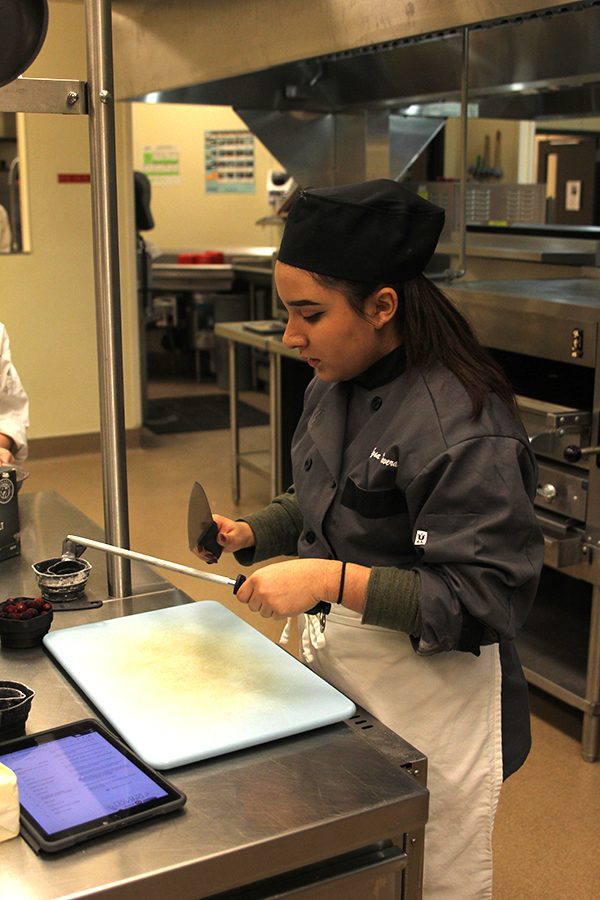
[391,470]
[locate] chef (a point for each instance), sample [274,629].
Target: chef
[14,407]
[411,511]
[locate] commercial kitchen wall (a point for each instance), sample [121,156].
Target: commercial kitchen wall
[185,215]
[512,146]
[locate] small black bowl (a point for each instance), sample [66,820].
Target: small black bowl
[21,633]
[15,704]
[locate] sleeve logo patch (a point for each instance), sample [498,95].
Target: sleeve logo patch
[420,538]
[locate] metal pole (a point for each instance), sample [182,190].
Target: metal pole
[464,123]
[233,422]
[107,288]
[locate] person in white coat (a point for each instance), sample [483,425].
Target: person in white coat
[411,511]
[14,407]
[5,231]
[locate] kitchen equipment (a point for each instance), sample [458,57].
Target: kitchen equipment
[24,26]
[62,579]
[200,522]
[156,561]
[20,474]
[10,530]
[15,705]
[192,682]
[202,529]
[545,334]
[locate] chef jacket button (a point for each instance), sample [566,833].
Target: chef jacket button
[310,537]
[376,403]
[307,463]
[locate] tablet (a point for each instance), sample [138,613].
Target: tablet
[78,781]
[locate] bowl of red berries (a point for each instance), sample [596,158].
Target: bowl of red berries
[24,621]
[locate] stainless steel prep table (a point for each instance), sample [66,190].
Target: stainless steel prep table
[182,277]
[271,463]
[323,814]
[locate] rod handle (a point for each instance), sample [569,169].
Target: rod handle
[322,607]
[238,583]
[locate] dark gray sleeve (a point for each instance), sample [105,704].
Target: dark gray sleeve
[276,528]
[479,545]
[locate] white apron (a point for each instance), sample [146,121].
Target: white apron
[448,707]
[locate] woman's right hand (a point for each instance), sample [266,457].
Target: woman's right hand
[6,457]
[232,536]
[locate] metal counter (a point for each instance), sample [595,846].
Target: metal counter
[328,810]
[179,277]
[526,248]
[534,316]
[46,520]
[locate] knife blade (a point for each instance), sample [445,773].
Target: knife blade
[202,529]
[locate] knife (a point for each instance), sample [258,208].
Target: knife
[203,531]
[202,528]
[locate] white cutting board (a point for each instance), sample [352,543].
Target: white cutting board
[193,681]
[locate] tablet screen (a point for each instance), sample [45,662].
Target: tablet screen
[78,776]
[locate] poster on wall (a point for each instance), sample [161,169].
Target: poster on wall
[161,164]
[229,162]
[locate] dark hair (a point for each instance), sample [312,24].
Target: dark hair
[434,331]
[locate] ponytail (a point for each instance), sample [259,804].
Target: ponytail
[433,331]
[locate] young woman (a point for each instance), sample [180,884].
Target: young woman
[411,510]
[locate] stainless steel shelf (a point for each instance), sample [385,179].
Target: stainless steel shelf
[177,277]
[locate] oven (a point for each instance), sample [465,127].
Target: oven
[545,334]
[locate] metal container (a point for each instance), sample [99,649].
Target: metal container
[61,577]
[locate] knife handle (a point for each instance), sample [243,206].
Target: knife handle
[209,540]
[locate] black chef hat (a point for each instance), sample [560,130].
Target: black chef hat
[374,232]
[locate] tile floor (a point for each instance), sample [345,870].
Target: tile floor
[547,836]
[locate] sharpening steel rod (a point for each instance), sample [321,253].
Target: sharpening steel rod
[155,561]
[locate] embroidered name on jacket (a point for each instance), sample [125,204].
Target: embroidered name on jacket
[380,456]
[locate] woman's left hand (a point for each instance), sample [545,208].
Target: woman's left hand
[290,588]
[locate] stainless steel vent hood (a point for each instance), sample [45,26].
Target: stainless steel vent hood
[371,110]
[338,148]
[544,65]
